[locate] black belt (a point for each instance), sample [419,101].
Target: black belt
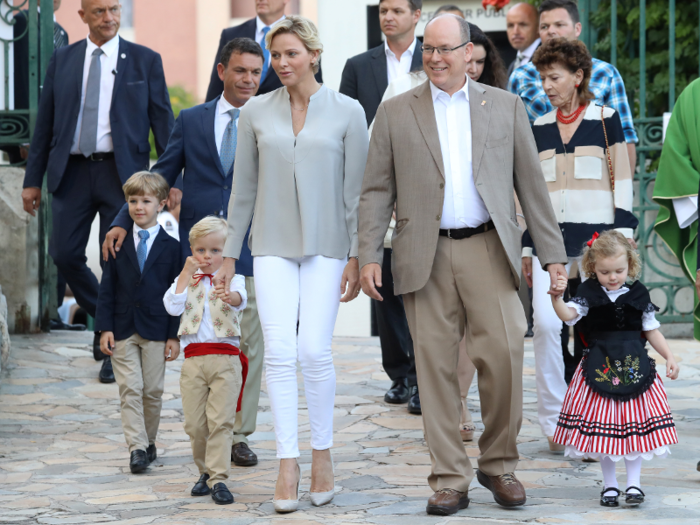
[95,157]
[464,233]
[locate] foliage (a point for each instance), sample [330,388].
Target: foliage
[657,41]
[180,99]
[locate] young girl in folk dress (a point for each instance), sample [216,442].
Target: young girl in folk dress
[616,406]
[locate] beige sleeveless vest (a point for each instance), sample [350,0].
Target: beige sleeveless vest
[226,320]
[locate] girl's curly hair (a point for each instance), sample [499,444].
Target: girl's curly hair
[611,243]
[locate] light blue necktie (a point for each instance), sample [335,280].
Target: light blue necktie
[229,141]
[266,54]
[142,250]
[88,129]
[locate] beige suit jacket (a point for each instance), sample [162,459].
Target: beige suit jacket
[405,166]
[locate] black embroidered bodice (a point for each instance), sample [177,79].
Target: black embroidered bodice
[604,315]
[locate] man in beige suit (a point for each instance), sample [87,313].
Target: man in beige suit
[450,153]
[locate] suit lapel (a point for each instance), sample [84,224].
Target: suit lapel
[156,249]
[122,60]
[77,64]
[480,111]
[208,118]
[422,105]
[381,76]
[130,250]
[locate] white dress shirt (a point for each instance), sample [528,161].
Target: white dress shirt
[397,67]
[108,61]
[175,305]
[259,26]
[463,206]
[221,121]
[152,232]
[526,55]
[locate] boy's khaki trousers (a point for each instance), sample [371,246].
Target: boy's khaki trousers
[210,385]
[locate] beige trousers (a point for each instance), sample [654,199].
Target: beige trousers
[253,346]
[470,279]
[210,385]
[139,368]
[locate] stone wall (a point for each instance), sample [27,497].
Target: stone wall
[19,255]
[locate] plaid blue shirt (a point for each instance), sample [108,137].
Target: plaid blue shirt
[606,84]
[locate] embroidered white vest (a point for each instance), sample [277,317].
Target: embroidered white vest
[226,320]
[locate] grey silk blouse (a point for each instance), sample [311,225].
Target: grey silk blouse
[305,190]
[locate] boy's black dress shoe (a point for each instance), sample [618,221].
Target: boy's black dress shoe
[106,372]
[609,501]
[139,461]
[201,488]
[221,495]
[398,393]
[152,453]
[414,402]
[634,498]
[242,456]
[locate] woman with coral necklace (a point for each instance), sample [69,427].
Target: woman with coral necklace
[586,166]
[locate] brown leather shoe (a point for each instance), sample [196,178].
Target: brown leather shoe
[506,489]
[447,501]
[242,456]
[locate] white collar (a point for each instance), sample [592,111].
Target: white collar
[224,105]
[436,92]
[260,25]
[411,49]
[622,289]
[530,50]
[109,47]
[152,231]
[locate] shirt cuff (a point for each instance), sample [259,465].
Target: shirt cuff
[238,285]
[527,251]
[686,209]
[649,322]
[581,312]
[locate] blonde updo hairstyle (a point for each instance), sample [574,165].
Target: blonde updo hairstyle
[611,243]
[304,29]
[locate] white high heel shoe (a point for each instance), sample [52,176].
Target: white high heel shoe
[288,505]
[321,498]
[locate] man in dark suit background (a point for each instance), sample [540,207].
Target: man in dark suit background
[365,78]
[197,149]
[269,12]
[522,27]
[100,98]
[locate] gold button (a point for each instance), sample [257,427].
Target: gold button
[438,217]
[442,185]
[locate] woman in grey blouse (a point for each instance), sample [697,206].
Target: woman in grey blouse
[299,165]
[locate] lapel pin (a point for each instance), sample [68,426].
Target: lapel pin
[483,102]
[123,55]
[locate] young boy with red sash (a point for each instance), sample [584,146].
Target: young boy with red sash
[214,371]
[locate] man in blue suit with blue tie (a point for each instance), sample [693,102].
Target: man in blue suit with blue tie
[100,98]
[203,146]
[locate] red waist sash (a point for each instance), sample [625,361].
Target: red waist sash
[198,349]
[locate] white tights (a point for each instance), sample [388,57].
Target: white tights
[634,473]
[306,290]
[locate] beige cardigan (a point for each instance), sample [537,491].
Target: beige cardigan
[305,190]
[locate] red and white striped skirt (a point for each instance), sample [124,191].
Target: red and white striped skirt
[593,426]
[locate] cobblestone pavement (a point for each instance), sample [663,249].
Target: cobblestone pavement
[63,459]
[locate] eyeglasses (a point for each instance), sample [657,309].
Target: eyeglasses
[429,50]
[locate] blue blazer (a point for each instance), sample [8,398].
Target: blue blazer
[206,189]
[132,302]
[140,102]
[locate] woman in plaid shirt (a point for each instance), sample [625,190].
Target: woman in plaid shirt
[585,164]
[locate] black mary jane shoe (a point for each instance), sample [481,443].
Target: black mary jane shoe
[201,488]
[634,498]
[221,495]
[610,501]
[138,461]
[152,453]
[398,393]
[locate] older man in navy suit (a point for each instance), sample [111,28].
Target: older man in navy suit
[203,145]
[269,12]
[100,98]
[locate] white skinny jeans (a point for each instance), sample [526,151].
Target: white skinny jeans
[549,363]
[306,289]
